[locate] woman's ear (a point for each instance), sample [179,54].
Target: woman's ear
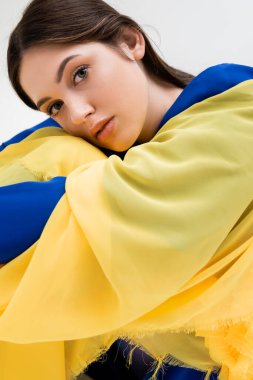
[132,43]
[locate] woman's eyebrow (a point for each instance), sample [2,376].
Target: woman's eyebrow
[62,67]
[42,101]
[58,77]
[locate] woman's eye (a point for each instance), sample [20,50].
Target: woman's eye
[80,74]
[54,108]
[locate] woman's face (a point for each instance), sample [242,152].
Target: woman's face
[91,90]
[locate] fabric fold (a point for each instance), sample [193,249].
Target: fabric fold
[152,249]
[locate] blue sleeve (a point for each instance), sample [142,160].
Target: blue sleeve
[210,82]
[25,208]
[22,135]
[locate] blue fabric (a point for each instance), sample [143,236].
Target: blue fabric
[22,135]
[210,82]
[25,208]
[114,366]
[179,373]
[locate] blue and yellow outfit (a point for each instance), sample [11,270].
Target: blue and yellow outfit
[171,225]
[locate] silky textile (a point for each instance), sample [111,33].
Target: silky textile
[156,248]
[26,207]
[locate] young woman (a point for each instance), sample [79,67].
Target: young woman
[156,247]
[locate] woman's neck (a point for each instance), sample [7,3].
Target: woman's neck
[161,97]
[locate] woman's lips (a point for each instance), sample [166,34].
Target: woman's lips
[106,130]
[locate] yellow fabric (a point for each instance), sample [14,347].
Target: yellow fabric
[157,248]
[46,153]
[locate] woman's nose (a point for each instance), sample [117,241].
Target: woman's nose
[79,112]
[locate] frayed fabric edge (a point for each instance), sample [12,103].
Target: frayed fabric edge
[83,364]
[129,335]
[159,366]
[156,367]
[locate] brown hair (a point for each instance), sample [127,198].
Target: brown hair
[48,22]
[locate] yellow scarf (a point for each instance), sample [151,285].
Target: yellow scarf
[157,248]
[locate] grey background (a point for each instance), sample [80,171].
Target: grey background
[191,35]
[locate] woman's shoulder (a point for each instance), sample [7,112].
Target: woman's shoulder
[212,81]
[226,74]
